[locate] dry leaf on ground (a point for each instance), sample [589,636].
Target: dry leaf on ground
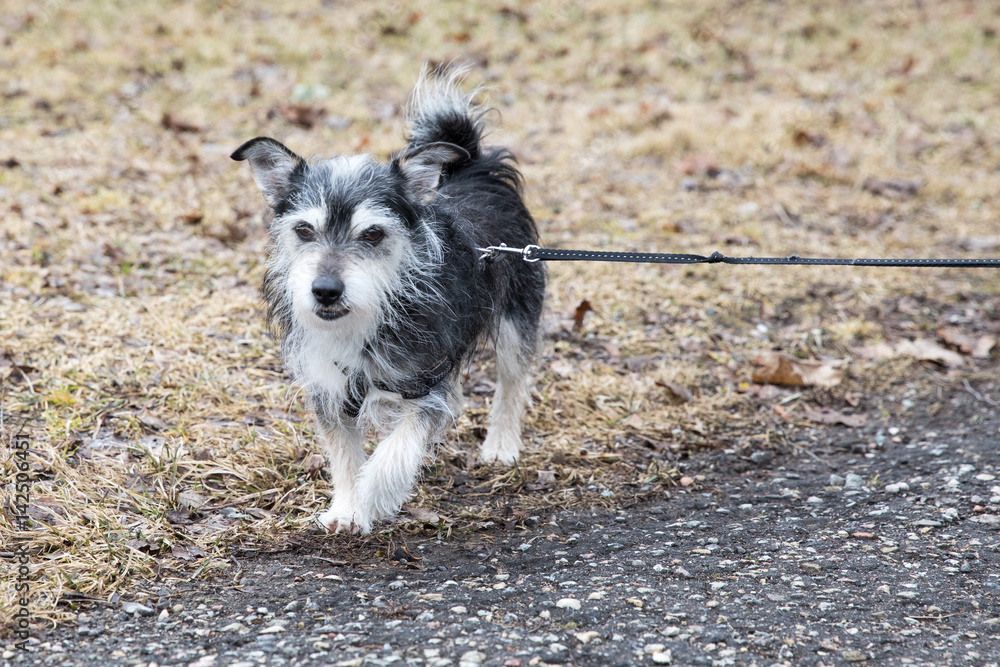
[678,393]
[546,477]
[830,416]
[921,348]
[303,115]
[581,312]
[172,121]
[424,514]
[778,368]
[978,346]
[927,350]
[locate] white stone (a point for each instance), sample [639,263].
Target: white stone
[272,629]
[471,659]
[568,603]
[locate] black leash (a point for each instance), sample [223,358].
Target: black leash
[533,253]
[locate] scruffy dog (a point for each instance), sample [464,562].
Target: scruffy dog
[377,291]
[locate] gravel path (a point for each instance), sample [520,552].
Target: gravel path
[878,546]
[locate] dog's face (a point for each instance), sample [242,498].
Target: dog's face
[343,229]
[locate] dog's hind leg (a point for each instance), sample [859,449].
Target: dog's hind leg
[515,353]
[345,455]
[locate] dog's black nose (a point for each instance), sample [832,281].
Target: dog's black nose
[327,290]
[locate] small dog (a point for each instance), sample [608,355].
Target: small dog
[376,289]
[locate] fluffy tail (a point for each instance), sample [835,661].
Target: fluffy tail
[438,111]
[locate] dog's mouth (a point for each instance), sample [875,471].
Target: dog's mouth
[331,314]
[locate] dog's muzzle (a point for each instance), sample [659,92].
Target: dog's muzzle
[327,291]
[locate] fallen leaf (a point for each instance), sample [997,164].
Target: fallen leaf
[635,421]
[228,232]
[981,350]
[579,313]
[111,252]
[303,115]
[546,477]
[191,499]
[679,393]
[778,368]
[877,351]
[151,421]
[424,515]
[830,416]
[803,138]
[977,346]
[186,552]
[192,217]
[927,350]
[12,372]
[314,463]
[171,121]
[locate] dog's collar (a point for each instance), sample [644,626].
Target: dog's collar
[411,389]
[419,387]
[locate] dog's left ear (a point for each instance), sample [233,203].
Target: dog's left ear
[272,164]
[422,167]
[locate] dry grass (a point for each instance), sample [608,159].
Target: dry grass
[164,431]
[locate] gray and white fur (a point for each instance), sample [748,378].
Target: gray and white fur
[377,292]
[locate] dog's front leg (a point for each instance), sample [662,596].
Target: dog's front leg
[387,478]
[345,454]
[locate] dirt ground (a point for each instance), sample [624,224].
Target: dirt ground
[676,476]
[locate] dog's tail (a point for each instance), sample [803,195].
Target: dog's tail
[439,112]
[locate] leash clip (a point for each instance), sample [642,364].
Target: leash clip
[527,253]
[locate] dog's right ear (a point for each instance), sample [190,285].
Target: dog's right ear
[272,164]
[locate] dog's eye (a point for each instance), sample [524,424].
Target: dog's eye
[373,236]
[305,232]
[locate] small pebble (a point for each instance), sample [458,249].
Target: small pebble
[136,608]
[568,603]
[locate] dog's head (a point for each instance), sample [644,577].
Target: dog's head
[344,229]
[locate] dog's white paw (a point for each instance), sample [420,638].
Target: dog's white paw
[499,449]
[344,521]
